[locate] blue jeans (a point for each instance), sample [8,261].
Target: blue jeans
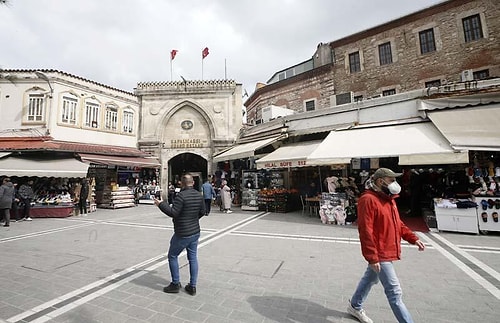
[392,289]
[177,245]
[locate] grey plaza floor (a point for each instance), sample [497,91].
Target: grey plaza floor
[110,266]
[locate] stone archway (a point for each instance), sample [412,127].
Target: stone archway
[188,163]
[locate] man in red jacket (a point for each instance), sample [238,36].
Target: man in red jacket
[380,233]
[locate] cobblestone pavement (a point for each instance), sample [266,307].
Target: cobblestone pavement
[110,266]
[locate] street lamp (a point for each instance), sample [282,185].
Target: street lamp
[44,77]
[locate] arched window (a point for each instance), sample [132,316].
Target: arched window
[111,119]
[69,109]
[128,121]
[92,114]
[36,105]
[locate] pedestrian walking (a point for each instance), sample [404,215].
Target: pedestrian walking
[187,209]
[15,202]
[84,195]
[26,194]
[208,195]
[6,198]
[380,233]
[226,197]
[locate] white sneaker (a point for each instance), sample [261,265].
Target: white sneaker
[359,314]
[28,219]
[229,211]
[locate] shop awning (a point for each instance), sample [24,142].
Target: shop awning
[244,150]
[293,155]
[475,128]
[435,159]
[386,141]
[120,160]
[66,167]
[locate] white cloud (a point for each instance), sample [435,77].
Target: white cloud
[121,43]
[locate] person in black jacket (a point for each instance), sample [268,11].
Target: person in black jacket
[187,209]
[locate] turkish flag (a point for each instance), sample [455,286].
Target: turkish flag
[204,53]
[173,53]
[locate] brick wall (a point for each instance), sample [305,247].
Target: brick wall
[411,69]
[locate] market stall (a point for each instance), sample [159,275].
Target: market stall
[53,181]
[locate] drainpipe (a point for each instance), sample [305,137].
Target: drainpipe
[44,77]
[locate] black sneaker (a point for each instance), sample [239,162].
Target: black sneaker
[191,290]
[172,288]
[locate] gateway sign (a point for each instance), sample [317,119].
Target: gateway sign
[186,143]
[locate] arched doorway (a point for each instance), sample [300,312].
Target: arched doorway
[188,163]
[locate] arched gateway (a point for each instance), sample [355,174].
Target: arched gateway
[186,123]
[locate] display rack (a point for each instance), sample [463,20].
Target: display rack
[249,199]
[120,197]
[488,219]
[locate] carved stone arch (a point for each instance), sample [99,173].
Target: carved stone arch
[186,104]
[37,89]
[70,92]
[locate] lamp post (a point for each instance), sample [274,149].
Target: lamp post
[44,77]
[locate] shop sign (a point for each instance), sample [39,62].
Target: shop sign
[285,164]
[186,143]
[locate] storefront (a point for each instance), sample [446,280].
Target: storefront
[53,181]
[123,181]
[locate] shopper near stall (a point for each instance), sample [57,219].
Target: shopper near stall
[380,233]
[208,195]
[186,212]
[15,203]
[26,194]
[6,198]
[226,197]
[84,195]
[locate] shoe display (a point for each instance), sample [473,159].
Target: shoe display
[191,290]
[359,314]
[172,288]
[484,216]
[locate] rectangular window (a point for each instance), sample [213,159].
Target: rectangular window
[128,122]
[481,75]
[358,98]
[427,42]
[69,110]
[310,105]
[91,115]
[433,83]
[385,53]
[111,119]
[389,92]
[354,62]
[472,28]
[35,107]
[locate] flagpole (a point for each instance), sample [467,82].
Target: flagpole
[225,69]
[170,68]
[202,67]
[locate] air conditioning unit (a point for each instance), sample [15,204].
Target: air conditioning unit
[466,75]
[342,98]
[272,112]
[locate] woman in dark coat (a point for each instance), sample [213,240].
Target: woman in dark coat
[6,197]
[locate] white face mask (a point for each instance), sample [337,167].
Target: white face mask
[394,188]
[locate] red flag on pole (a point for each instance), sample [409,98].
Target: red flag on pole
[173,53]
[204,53]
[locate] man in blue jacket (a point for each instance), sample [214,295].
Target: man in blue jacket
[208,195]
[187,209]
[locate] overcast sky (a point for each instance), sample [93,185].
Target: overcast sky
[123,42]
